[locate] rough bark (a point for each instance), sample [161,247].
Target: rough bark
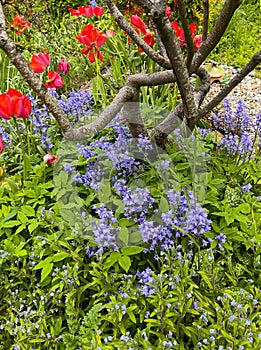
[185,25]
[124,25]
[205,20]
[177,61]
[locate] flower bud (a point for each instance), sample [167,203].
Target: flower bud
[63,66]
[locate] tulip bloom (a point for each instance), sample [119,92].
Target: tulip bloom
[20,23]
[14,104]
[142,28]
[168,11]
[63,66]
[197,42]
[39,62]
[137,22]
[109,33]
[93,39]
[54,81]
[180,32]
[2,145]
[87,11]
[49,158]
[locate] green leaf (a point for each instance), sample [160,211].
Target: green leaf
[131,316]
[12,184]
[132,250]
[42,263]
[124,235]
[60,256]
[58,326]
[135,237]
[20,228]
[125,262]
[28,210]
[112,259]
[33,225]
[11,223]
[104,192]
[46,271]
[22,217]
[163,205]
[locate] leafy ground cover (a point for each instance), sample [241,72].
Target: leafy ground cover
[114,243]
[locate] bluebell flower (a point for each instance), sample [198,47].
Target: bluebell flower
[145,281]
[246,188]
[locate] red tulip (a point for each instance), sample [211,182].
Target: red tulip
[197,42]
[176,28]
[63,66]
[98,11]
[137,22]
[75,12]
[87,11]
[180,32]
[2,145]
[39,62]
[93,39]
[49,158]
[54,81]
[168,11]
[20,23]
[14,104]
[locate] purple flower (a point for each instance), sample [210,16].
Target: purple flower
[246,188]
[145,280]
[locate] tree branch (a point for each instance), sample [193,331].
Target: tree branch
[18,60]
[205,20]
[176,118]
[125,94]
[124,25]
[255,60]
[176,58]
[185,25]
[133,116]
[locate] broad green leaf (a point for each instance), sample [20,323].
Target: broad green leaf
[112,259]
[125,262]
[46,271]
[42,263]
[124,235]
[33,225]
[132,250]
[163,205]
[131,316]
[60,256]
[28,210]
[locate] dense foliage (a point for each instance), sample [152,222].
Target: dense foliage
[113,243]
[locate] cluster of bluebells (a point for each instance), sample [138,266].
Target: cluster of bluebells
[78,103]
[137,202]
[116,150]
[41,122]
[185,216]
[103,231]
[5,132]
[77,106]
[240,131]
[145,282]
[126,157]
